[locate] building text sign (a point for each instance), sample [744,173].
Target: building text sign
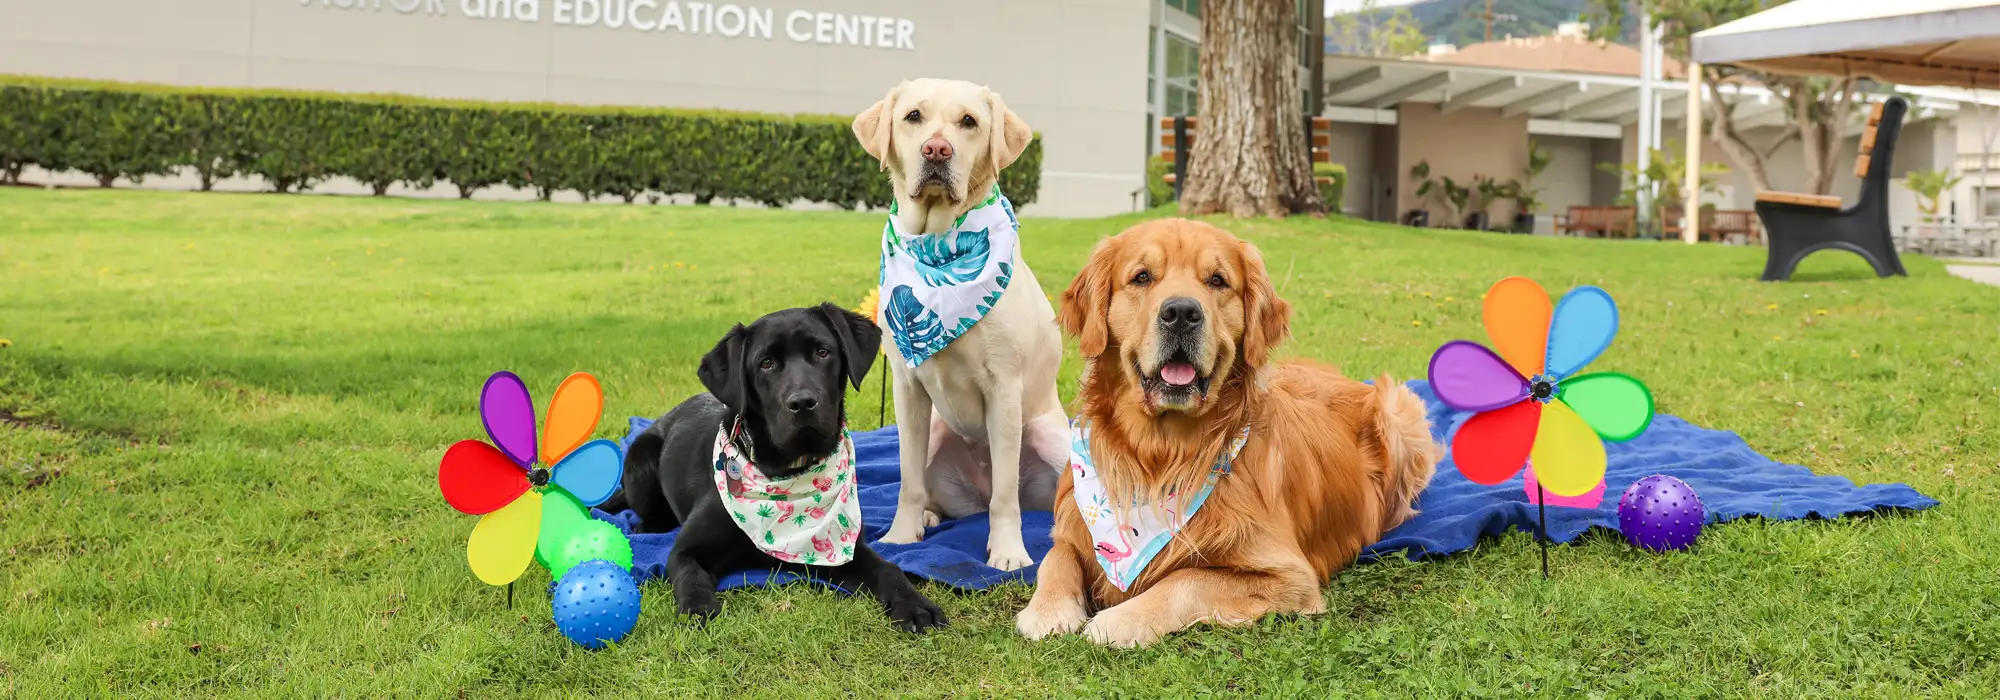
[709,18]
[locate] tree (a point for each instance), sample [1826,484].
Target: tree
[1365,32]
[1250,156]
[1816,109]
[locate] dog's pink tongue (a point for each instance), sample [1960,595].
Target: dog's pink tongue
[1178,373]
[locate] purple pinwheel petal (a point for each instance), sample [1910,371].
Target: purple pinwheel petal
[509,416]
[1469,377]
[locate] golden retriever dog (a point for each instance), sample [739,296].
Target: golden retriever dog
[1177,320]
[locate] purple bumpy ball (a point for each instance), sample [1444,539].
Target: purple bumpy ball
[1660,513]
[596,602]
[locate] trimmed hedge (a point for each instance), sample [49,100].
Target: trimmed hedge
[1331,193]
[296,139]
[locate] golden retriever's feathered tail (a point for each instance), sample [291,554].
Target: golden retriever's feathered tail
[1410,454]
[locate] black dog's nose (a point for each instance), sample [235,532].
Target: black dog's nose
[800,403]
[1180,314]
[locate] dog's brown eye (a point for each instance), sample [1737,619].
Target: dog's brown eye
[822,353]
[1217,281]
[968,122]
[767,364]
[1143,278]
[913,117]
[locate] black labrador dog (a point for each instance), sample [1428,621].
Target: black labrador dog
[776,386]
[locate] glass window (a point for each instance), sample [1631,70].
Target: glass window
[1183,75]
[1989,203]
[1192,7]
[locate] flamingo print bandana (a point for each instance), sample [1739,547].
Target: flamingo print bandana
[935,286]
[1128,538]
[812,518]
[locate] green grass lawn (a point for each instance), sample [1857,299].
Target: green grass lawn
[221,417]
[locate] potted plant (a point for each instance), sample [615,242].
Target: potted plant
[1420,175]
[1455,194]
[1930,186]
[1489,191]
[1526,198]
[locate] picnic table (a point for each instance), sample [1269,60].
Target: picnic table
[1978,240]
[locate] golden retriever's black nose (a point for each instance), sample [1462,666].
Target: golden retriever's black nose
[1180,314]
[937,150]
[800,403]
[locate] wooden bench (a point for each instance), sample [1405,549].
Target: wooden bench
[1828,201]
[1171,145]
[1716,224]
[1603,221]
[1801,224]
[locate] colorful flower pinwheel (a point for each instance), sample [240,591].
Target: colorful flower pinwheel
[1530,403]
[526,508]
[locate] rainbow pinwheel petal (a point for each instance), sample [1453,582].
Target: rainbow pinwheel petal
[1584,323]
[590,473]
[1469,377]
[562,518]
[1491,446]
[509,416]
[572,417]
[1516,315]
[1616,406]
[476,479]
[1568,456]
[504,541]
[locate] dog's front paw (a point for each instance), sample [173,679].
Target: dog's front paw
[914,613]
[908,530]
[1008,558]
[1120,628]
[1041,620]
[700,607]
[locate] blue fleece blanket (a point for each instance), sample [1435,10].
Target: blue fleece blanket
[1732,480]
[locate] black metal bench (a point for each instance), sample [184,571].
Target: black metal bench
[1799,225]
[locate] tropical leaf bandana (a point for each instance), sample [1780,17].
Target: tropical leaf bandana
[811,518]
[935,286]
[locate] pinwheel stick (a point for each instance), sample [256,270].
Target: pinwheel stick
[882,409]
[510,589]
[1542,517]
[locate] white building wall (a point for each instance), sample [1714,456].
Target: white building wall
[1074,69]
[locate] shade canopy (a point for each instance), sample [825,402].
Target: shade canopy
[1907,42]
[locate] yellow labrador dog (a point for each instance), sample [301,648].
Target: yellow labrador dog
[972,340]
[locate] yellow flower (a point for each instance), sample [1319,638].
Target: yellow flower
[1427,295]
[1777,337]
[1819,312]
[868,303]
[5,342]
[1770,307]
[1447,299]
[1415,322]
[1853,354]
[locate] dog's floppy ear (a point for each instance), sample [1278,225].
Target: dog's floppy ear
[1087,302]
[721,370]
[1010,135]
[1267,319]
[871,126]
[860,340]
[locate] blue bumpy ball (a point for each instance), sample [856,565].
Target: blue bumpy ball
[596,602]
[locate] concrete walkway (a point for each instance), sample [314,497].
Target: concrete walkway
[1987,274]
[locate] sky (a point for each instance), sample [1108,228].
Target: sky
[1334,7]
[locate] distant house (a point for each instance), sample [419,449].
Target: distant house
[1472,111]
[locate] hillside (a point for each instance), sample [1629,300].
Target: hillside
[1462,22]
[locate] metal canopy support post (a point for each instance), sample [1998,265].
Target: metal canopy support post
[1644,156]
[1691,231]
